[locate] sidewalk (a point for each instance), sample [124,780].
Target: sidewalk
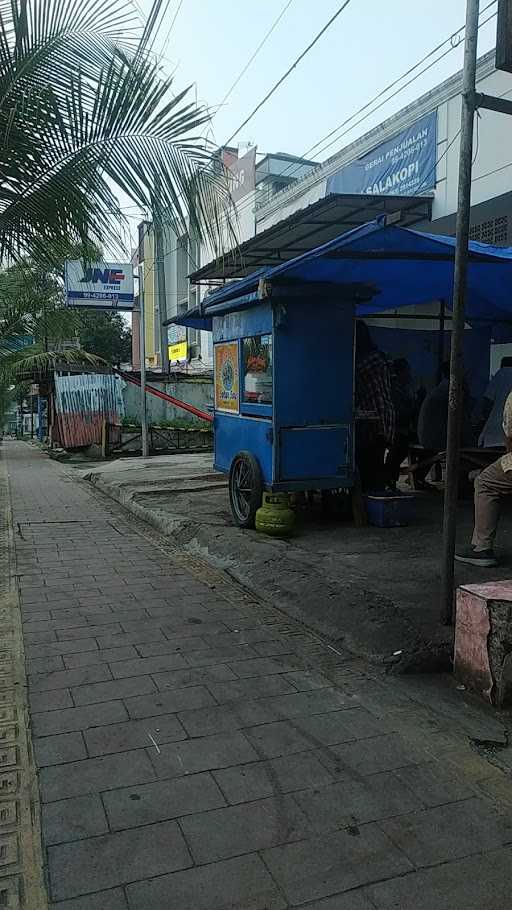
[375,590]
[198,751]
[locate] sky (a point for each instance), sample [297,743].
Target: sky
[369,45]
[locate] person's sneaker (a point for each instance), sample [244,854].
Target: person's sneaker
[484,558]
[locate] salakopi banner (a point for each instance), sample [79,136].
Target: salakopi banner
[101,285]
[227,377]
[401,166]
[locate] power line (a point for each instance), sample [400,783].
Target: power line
[292,168]
[433,169]
[193,262]
[176,14]
[401,89]
[395,82]
[365,107]
[256,52]
[289,70]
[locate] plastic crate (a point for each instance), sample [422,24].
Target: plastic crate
[388,510]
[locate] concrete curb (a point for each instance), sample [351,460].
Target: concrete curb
[372,623]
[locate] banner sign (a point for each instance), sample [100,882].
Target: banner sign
[242,175]
[178,352]
[227,377]
[101,285]
[401,166]
[177,343]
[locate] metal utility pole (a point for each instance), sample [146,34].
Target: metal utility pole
[40,428]
[440,341]
[142,349]
[455,398]
[160,274]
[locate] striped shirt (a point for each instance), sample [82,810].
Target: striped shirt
[374,395]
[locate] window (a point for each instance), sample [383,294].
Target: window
[193,334]
[257,369]
[186,260]
[494,231]
[182,270]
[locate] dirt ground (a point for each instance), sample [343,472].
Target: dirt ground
[375,591]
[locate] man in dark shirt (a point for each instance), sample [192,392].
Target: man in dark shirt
[433,417]
[433,422]
[374,405]
[405,411]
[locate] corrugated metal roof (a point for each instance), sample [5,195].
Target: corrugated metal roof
[310,228]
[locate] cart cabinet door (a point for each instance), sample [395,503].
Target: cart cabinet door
[313,392]
[315,453]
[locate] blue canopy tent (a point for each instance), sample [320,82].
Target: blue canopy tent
[376,267]
[403,266]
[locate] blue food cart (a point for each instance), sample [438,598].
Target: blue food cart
[283,353]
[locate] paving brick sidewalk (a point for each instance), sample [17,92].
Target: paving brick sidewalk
[195,752]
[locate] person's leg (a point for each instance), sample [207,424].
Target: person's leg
[490,486]
[370,463]
[396,455]
[380,474]
[420,473]
[365,455]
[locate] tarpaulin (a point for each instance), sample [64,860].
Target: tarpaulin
[406,267]
[402,165]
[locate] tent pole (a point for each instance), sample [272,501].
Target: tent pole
[455,397]
[440,343]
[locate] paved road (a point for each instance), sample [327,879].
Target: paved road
[196,752]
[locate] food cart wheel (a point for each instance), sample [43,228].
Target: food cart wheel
[245,489]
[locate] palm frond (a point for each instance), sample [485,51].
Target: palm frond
[32,362]
[85,111]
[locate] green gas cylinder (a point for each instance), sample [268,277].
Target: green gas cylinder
[274,516]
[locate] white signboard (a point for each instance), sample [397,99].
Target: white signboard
[101,285]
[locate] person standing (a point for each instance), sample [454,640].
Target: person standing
[375,428]
[405,410]
[491,486]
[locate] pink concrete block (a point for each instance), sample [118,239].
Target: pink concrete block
[471,658]
[483,640]
[491,590]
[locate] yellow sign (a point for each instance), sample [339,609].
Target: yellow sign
[227,377]
[178,351]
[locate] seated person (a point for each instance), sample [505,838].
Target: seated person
[495,397]
[491,486]
[433,422]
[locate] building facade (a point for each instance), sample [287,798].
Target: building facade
[253,183]
[491,197]
[413,152]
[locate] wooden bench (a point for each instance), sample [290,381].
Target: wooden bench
[471,458]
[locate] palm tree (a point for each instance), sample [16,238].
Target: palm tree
[86,111]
